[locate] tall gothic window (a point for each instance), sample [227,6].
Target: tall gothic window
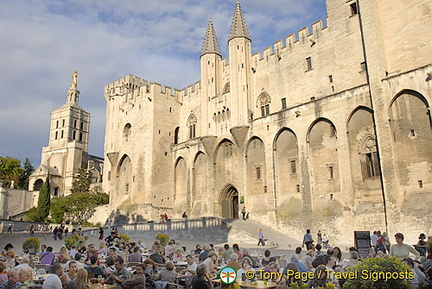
[191,123]
[264,103]
[370,167]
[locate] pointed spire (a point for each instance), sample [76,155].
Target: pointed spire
[210,42]
[238,26]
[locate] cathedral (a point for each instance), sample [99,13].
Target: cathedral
[329,128]
[67,150]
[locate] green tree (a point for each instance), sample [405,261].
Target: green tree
[10,170]
[81,204]
[44,201]
[59,206]
[82,182]
[24,178]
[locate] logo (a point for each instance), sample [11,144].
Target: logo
[228,275]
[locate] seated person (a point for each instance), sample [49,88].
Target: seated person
[12,282]
[138,281]
[53,281]
[94,270]
[150,271]
[178,256]
[247,255]
[120,275]
[80,281]
[267,259]
[135,257]
[232,262]
[246,265]
[25,277]
[202,279]
[109,262]
[168,275]
[189,271]
[210,262]
[157,257]
[79,262]
[204,254]
[47,257]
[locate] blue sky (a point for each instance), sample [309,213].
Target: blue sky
[44,41]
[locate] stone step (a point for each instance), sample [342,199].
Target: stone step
[274,237]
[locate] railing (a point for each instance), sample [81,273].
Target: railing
[169,225]
[22,226]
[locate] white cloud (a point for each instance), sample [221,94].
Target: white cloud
[43,41]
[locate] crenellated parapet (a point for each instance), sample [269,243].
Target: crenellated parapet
[292,42]
[192,90]
[132,86]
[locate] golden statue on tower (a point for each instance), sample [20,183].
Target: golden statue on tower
[74,80]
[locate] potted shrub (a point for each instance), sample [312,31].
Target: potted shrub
[31,245]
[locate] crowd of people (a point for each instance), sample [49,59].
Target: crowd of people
[132,265]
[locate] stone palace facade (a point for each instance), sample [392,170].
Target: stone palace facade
[329,128]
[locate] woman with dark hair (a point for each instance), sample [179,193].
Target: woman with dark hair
[337,255]
[8,247]
[267,259]
[150,273]
[401,250]
[421,245]
[236,250]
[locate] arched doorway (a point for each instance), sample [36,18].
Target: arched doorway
[37,185]
[230,202]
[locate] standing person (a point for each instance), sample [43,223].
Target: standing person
[184,216]
[55,232]
[116,231]
[307,239]
[319,236]
[261,238]
[32,229]
[243,212]
[374,239]
[101,233]
[10,228]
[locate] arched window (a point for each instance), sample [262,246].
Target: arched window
[369,158]
[176,135]
[191,123]
[263,102]
[127,131]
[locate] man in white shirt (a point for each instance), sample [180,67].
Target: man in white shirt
[53,281]
[374,239]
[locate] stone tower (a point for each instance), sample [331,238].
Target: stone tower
[67,149]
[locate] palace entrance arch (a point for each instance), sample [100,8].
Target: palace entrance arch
[230,202]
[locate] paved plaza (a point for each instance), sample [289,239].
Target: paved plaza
[17,240]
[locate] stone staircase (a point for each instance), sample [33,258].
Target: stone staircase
[274,237]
